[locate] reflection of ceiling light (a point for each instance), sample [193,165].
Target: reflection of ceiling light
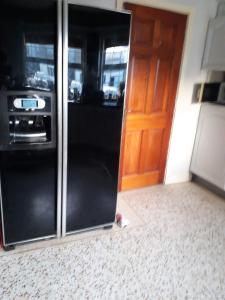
[36,96]
[117,49]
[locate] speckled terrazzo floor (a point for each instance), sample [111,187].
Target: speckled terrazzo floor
[176,250]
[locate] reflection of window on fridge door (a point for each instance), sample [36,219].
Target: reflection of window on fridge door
[75,74]
[39,66]
[50,70]
[114,71]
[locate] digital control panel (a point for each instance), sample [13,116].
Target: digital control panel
[27,120]
[29,103]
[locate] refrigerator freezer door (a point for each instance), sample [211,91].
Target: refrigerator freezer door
[28,151]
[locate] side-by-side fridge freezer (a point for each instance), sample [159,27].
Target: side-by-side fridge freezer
[63,72]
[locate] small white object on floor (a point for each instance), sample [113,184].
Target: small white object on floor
[121,221]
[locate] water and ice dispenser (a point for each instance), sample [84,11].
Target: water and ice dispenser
[27,120]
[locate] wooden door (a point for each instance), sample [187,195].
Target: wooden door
[157,38]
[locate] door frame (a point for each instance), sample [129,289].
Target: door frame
[189,11]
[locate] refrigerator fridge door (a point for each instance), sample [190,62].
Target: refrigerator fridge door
[98,49]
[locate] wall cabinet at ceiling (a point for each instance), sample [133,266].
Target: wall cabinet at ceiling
[214,56]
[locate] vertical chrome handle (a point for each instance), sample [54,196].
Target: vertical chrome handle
[65,113]
[59,117]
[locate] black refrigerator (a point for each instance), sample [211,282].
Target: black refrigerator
[62,87]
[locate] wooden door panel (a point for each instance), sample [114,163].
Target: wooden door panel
[143,33]
[160,90]
[151,78]
[142,161]
[156,48]
[143,151]
[139,73]
[150,150]
[144,121]
[132,148]
[168,36]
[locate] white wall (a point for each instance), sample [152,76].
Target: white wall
[186,114]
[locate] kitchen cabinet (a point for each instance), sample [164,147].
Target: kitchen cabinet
[214,56]
[208,159]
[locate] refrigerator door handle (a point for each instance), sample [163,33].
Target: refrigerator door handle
[65,113]
[59,116]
